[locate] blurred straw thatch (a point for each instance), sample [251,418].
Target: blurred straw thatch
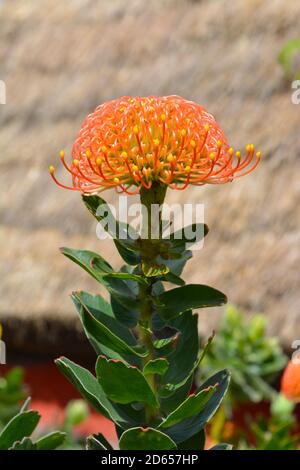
[59,60]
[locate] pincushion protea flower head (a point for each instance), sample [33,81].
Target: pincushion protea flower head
[290,382]
[134,142]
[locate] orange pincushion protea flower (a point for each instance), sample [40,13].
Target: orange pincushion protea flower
[290,382]
[137,141]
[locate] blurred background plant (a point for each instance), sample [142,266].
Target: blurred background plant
[76,412]
[278,432]
[255,361]
[13,392]
[253,358]
[289,59]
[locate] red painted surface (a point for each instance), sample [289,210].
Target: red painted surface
[50,393]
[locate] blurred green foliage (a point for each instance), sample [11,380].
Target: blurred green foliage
[287,56]
[277,432]
[12,393]
[253,358]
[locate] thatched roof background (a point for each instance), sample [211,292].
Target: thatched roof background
[61,59]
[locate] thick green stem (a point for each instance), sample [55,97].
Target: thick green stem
[152,199]
[155,195]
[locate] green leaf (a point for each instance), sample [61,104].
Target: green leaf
[103,329]
[123,383]
[124,235]
[185,237]
[185,429]
[177,264]
[167,344]
[195,442]
[51,441]
[90,389]
[156,366]
[190,407]
[145,439]
[176,301]
[97,442]
[100,270]
[25,444]
[185,355]
[171,277]
[123,301]
[172,394]
[221,446]
[20,426]
[25,405]
[172,400]
[125,312]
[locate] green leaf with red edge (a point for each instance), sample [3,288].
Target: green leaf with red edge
[187,428]
[169,388]
[103,330]
[101,270]
[156,366]
[90,389]
[172,303]
[145,439]
[193,405]
[123,383]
